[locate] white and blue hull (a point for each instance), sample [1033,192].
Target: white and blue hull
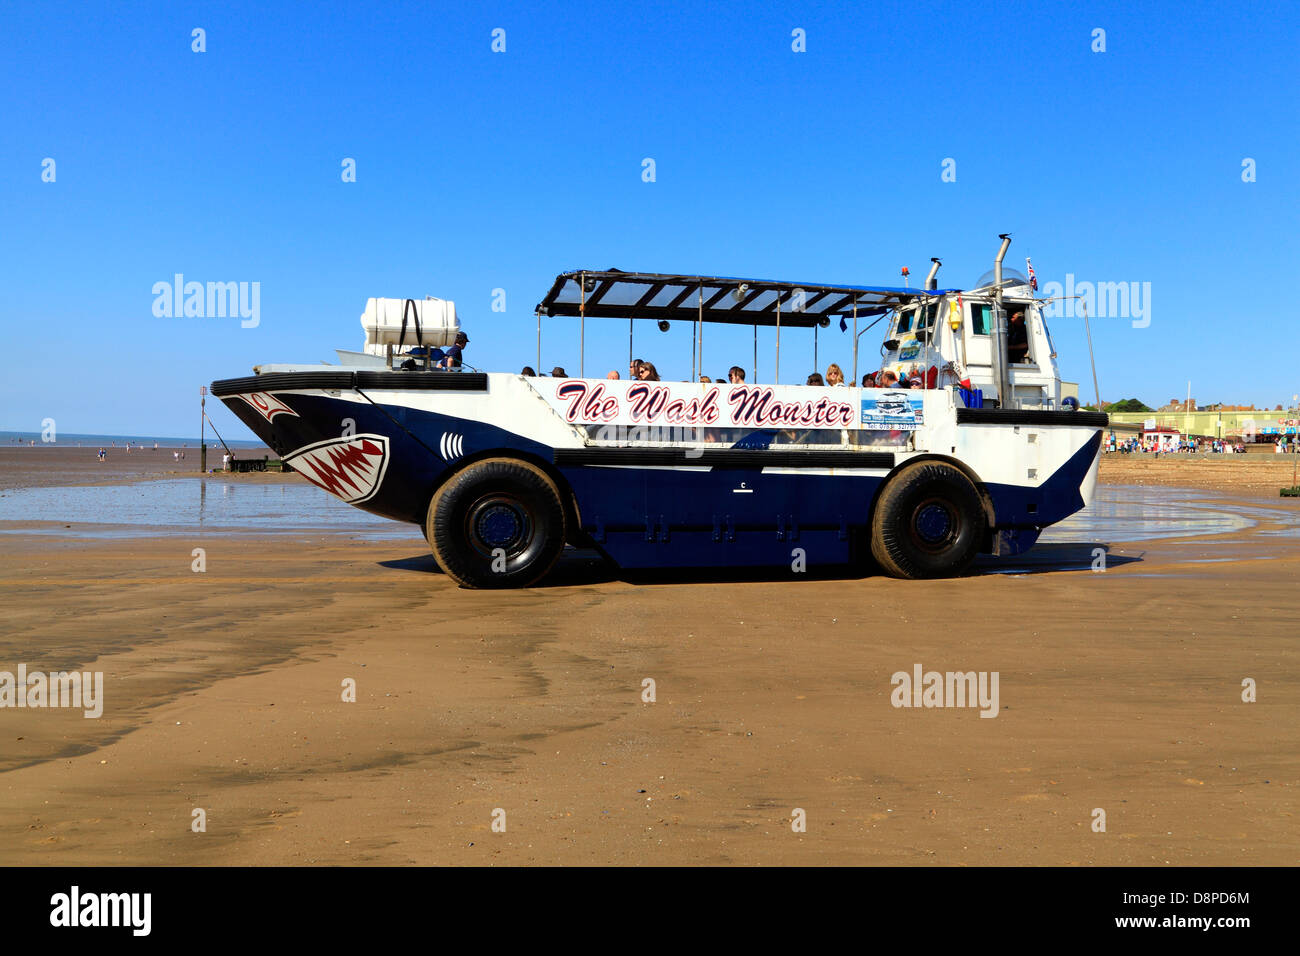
[649,480]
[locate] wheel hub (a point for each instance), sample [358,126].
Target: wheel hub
[934,525]
[499,524]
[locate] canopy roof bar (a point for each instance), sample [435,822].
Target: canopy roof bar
[629,295]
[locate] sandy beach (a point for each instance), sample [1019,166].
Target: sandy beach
[1120,690]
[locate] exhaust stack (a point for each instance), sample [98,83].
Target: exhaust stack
[1001,376]
[997,263]
[931,283]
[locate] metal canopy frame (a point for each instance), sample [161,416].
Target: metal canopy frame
[611,294]
[665,297]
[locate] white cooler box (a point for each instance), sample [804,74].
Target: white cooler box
[382,321]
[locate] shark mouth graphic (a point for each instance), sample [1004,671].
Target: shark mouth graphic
[351,468]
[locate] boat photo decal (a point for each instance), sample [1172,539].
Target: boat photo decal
[350,468]
[894,410]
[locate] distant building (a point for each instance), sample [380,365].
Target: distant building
[1161,437]
[1217,421]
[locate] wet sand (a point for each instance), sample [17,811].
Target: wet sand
[1119,690]
[1253,473]
[25,466]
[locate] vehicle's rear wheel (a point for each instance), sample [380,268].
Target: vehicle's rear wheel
[928,522]
[498,523]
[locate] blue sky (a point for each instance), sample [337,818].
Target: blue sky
[479,170]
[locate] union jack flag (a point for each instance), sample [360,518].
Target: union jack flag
[1033,279]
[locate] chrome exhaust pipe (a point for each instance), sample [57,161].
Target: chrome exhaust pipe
[997,263]
[931,283]
[1001,375]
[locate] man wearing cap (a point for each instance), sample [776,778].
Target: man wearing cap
[452,359]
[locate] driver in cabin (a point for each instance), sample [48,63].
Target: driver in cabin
[1017,340]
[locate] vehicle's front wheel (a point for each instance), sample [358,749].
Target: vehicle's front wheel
[928,522]
[499,523]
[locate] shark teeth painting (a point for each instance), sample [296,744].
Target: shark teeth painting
[351,468]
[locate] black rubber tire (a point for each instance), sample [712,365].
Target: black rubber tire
[928,523]
[496,503]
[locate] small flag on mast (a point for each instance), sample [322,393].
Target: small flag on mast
[1033,279]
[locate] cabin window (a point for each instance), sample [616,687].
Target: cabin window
[981,318]
[904,323]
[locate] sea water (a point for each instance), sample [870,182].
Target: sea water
[181,506]
[146,508]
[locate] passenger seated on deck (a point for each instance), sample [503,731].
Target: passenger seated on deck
[705,380]
[888,380]
[613,375]
[834,375]
[558,372]
[815,379]
[736,376]
[1017,340]
[647,372]
[528,370]
[634,369]
[869,380]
